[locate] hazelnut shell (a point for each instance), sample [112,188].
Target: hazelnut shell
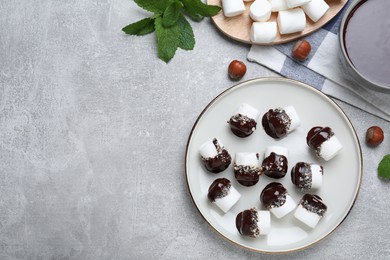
[301,50]
[374,136]
[236,70]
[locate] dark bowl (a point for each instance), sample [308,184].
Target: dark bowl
[361,79]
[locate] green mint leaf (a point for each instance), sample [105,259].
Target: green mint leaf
[172,29]
[171,14]
[141,27]
[384,167]
[192,13]
[196,6]
[155,6]
[187,38]
[167,39]
[194,16]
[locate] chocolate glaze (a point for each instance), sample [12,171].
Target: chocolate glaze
[247,175]
[241,125]
[313,203]
[275,166]
[317,135]
[301,175]
[218,189]
[366,40]
[273,195]
[246,223]
[220,162]
[276,123]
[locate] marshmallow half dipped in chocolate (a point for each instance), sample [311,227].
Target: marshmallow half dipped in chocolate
[223,194]
[275,163]
[246,168]
[306,176]
[253,222]
[323,142]
[244,121]
[214,156]
[279,122]
[310,210]
[276,199]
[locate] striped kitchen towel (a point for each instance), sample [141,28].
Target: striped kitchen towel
[323,69]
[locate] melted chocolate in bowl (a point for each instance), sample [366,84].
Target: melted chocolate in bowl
[367,40]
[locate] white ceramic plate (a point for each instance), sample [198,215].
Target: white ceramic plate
[342,174]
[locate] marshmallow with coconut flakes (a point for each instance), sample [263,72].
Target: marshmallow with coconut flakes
[275,163]
[253,222]
[214,155]
[223,194]
[306,176]
[246,168]
[323,142]
[276,199]
[310,210]
[243,123]
[279,122]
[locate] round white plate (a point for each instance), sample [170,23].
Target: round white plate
[342,174]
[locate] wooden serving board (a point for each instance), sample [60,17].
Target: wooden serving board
[238,27]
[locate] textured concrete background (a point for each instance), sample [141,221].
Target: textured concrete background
[93,129]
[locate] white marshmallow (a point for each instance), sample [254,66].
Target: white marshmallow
[246,159]
[315,9]
[278,5]
[260,11]
[276,149]
[309,218]
[233,7]
[263,32]
[330,148]
[227,202]
[208,149]
[249,111]
[286,208]
[291,21]
[316,176]
[264,221]
[293,115]
[296,3]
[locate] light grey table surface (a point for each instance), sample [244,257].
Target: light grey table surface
[93,132]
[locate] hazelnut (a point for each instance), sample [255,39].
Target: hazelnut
[236,70]
[374,135]
[301,50]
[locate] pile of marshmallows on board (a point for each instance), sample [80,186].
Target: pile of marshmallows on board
[291,16]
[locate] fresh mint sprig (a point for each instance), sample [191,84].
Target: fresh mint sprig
[172,28]
[384,167]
